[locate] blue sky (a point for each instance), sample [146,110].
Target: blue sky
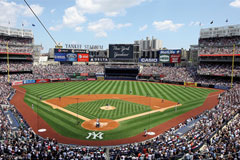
[103,22]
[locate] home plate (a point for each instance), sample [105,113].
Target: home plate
[42,130]
[151,133]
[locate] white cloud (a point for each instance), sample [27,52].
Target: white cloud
[108,7]
[143,27]
[235,3]
[123,25]
[56,28]
[73,17]
[79,29]
[52,11]
[166,25]
[103,25]
[11,11]
[36,8]
[197,23]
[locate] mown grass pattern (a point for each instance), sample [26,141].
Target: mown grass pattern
[68,125]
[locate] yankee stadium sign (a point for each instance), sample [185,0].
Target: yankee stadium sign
[80,46]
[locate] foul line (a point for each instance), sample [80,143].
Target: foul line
[117,120]
[145,113]
[67,111]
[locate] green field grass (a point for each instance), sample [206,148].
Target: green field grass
[67,125]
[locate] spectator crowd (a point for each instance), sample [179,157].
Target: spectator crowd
[218,137]
[219,69]
[223,45]
[177,74]
[16,45]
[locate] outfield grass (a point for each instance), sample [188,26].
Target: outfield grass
[66,124]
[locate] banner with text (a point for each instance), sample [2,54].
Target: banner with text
[121,51]
[42,80]
[100,59]
[164,58]
[175,58]
[148,60]
[83,57]
[171,51]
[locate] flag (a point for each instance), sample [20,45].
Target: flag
[200,24]
[33,25]
[226,20]
[211,22]
[9,22]
[22,24]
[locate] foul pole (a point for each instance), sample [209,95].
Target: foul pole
[232,66]
[8,63]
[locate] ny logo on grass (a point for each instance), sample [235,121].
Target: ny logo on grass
[94,135]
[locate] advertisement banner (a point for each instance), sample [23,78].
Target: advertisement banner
[60,57]
[171,51]
[221,87]
[193,84]
[100,78]
[91,79]
[175,58]
[148,60]
[29,81]
[84,74]
[17,83]
[83,57]
[71,57]
[98,59]
[56,50]
[164,58]
[121,51]
[42,80]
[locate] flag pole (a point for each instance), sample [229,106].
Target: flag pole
[232,66]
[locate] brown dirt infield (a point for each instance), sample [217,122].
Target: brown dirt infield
[105,125]
[155,103]
[36,122]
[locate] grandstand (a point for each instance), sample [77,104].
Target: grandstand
[218,48]
[212,134]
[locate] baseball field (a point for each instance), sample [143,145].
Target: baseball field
[124,108]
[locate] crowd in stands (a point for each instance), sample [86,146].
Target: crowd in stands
[177,74]
[219,69]
[218,45]
[23,143]
[16,45]
[165,146]
[170,145]
[16,66]
[14,49]
[17,41]
[219,50]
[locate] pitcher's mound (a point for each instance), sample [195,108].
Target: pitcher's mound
[105,125]
[107,108]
